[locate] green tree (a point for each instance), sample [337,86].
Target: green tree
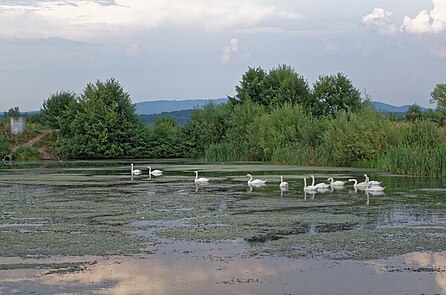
[103,124]
[280,85]
[206,126]
[414,112]
[252,87]
[360,136]
[439,96]
[12,112]
[284,85]
[53,109]
[166,139]
[336,93]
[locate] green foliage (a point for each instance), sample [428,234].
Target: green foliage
[12,112]
[414,112]
[439,96]
[244,127]
[229,151]
[53,109]
[415,160]
[4,146]
[284,85]
[336,93]
[251,87]
[423,133]
[280,85]
[165,140]
[206,126]
[102,124]
[288,125]
[299,155]
[26,153]
[352,137]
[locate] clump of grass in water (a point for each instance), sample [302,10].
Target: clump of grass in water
[231,152]
[415,160]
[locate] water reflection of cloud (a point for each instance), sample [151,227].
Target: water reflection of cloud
[418,263]
[224,269]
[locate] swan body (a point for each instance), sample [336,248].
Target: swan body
[155,172]
[283,184]
[201,179]
[319,185]
[372,182]
[255,181]
[358,185]
[135,171]
[336,183]
[310,187]
[374,188]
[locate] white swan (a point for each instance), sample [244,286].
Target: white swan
[336,183]
[283,184]
[358,185]
[374,188]
[255,181]
[135,171]
[372,182]
[201,179]
[319,185]
[155,172]
[310,187]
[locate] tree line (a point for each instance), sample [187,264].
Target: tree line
[274,116]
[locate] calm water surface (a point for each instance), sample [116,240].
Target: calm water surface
[91,228]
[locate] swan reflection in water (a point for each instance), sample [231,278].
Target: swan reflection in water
[254,185]
[373,194]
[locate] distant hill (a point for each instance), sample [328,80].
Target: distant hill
[182,117]
[380,106]
[162,106]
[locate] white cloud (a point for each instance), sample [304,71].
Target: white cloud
[379,19]
[89,20]
[234,52]
[433,21]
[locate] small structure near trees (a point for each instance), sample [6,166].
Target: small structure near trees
[17,125]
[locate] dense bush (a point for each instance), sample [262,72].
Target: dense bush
[4,146]
[352,137]
[103,124]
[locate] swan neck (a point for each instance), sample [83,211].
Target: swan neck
[312,183]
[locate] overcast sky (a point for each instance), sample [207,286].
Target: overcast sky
[395,50]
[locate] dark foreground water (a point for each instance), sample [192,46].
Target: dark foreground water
[92,228]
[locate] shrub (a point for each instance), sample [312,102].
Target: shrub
[4,146]
[26,153]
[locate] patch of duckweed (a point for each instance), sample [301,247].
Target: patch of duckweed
[59,268]
[261,226]
[360,244]
[44,244]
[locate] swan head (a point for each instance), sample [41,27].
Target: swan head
[248,175]
[196,172]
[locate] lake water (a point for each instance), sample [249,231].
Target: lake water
[81,227]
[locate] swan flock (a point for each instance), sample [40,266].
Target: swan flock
[367,185]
